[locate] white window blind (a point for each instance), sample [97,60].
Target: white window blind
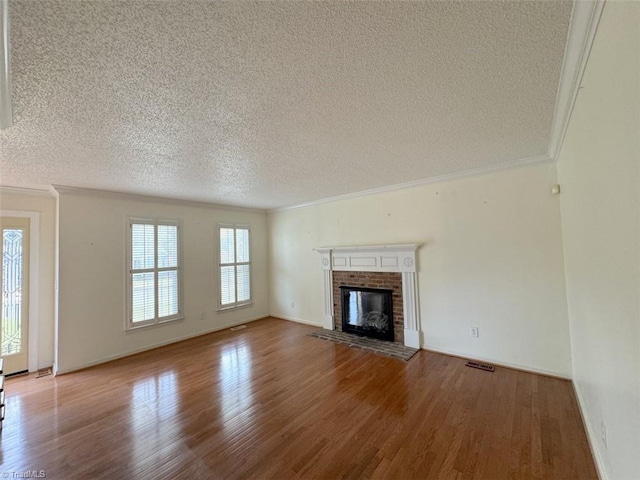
[235,266]
[154,274]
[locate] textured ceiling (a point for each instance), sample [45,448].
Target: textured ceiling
[268,104]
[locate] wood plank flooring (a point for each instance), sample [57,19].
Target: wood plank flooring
[270,402]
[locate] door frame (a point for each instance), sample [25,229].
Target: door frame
[34,287]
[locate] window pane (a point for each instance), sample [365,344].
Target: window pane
[142,246]
[167,293]
[142,297]
[11,338]
[167,246]
[244,288]
[227,246]
[242,247]
[227,285]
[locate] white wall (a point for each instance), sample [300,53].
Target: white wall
[492,258]
[91,302]
[598,168]
[45,205]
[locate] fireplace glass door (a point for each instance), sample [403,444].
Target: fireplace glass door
[367,312]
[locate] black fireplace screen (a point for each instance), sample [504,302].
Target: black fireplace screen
[367,312]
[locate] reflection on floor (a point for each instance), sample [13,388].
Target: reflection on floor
[270,402]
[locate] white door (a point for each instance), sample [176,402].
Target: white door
[14,285]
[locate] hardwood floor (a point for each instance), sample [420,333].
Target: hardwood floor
[269,401]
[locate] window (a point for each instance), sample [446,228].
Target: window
[234,266]
[154,272]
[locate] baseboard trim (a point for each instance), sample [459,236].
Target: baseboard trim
[499,363]
[117,356]
[297,320]
[592,437]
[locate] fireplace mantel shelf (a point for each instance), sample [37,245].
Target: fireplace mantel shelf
[405,247]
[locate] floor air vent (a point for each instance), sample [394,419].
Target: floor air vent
[238,327]
[481,366]
[43,372]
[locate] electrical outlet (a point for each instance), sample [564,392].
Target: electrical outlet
[474,332]
[203,316]
[603,429]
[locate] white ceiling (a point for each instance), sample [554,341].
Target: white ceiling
[269,104]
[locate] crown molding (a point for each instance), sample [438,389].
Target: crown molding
[424,181]
[25,191]
[91,192]
[585,18]
[6,116]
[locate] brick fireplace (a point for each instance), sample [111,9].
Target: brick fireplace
[388,280]
[391,267]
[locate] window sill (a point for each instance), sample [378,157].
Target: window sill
[235,307]
[137,328]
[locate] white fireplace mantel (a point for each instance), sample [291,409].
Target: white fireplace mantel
[376,258]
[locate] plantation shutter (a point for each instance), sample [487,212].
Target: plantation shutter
[154,272]
[243,268]
[143,278]
[235,268]
[167,270]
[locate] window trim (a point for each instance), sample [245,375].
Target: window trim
[236,305]
[129,271]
